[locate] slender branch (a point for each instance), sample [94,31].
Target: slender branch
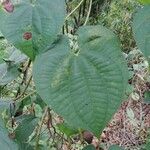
[74,9]
[28,95]
[40,128]
[28,83]
[50,120]
[89,11]
[24,77]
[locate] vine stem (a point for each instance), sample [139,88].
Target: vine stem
[25,72]
[74,9]
[24,89]
[89,11]
[28,95]
[40,128]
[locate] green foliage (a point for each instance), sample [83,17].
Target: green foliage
[87,83]
[33,25]
[82,77]
[27,124]
[89,147]
[144,1]
[15,56]
[3,46]
[25,128]
[5,142]
[25,146]
[118,17]
[8,73]
[67,129]
[147,97]
[141,29]
[10,59]
[4,104]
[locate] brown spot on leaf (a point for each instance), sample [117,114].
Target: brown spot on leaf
[8,6]
[27,35]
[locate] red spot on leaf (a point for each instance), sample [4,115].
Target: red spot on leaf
[27,35]
[8,6]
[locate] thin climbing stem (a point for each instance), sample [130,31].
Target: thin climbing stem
[74,9]
[25,72]
[40,128]
[24,91]
[89,11]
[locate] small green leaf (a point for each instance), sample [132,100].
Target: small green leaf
[147,97]
[38,100]
[115,147]
[67,129]
[88,83]
[89,147]
[130,113]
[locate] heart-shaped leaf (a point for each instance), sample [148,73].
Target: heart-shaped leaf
[85,85]
[32,25]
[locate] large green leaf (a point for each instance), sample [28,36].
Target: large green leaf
[141,29]
[85,87]
[5,142]
[32,25]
